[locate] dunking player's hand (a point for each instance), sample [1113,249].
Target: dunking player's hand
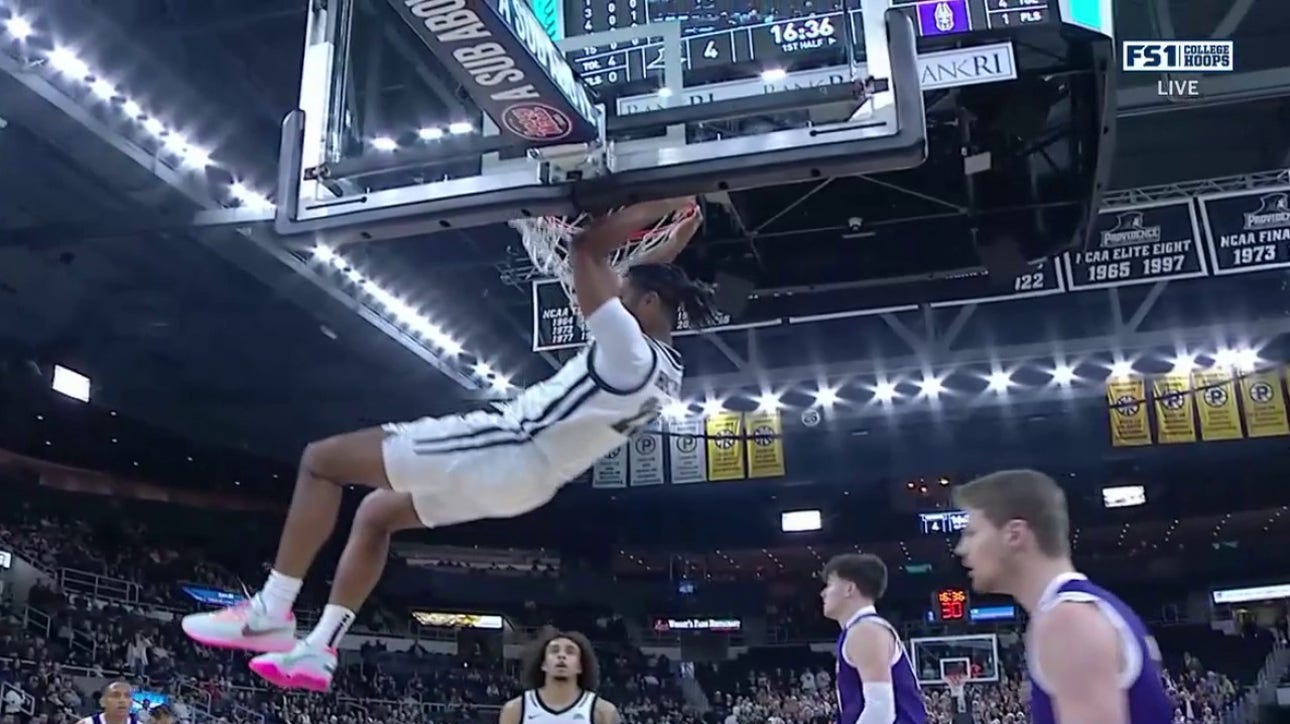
[594,281]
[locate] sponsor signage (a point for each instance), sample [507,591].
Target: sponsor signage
[500,54]
[1272,592]
[992,613]
[213,596]
[1138,244]
[1247,231]
[442,619]
[664,625]
[942,69]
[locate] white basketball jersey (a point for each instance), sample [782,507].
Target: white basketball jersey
[536,712]
[575,419]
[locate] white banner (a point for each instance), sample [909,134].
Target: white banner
[688,461]
[645,462]
[611,470]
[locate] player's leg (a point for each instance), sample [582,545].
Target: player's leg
[265,622]
[311,664]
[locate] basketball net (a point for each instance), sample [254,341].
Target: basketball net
[956,684]
[547,240]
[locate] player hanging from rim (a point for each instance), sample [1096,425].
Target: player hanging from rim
[117,699]
[497,463]
[1090,658]
[874,680]
[560,675]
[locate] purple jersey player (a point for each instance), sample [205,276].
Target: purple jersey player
[1090,658]
[875,681]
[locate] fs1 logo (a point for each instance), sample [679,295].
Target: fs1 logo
[1177,56]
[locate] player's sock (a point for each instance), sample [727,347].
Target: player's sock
[279,594]
[331,628]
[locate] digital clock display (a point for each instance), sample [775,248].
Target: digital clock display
[950,604]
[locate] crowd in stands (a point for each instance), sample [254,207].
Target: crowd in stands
[48,650]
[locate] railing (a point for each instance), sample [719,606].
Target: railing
[27,707]
[101,587]
[37,621]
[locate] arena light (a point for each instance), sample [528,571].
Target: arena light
[19,28]
[430,134]
[385,143]
[67,62]
[768,402]
[248,197]
[71,383]
[999,381]
[884,391]
[827,396]
[931,386]
[772,75]
[1242,359]
[460,128]
[1184,362]
[712,406]
[1121,368]
[799,521]
[1063,375]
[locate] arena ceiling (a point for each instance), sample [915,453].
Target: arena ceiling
[228,335]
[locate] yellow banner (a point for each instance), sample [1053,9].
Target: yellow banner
[765,446]
[1127,401]
[725,432]
[1175,416]
[1265,406]
[1216,405]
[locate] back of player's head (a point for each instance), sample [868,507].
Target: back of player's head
[677,291]
[532,675]
[1025,495]
[864,570]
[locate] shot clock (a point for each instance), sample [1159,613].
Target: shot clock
[950,604]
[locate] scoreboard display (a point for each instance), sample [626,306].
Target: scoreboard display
[720,33]
[950,604]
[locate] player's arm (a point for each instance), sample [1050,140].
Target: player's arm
[1081,662]
[668,251]
[870,648]
[594,281]
[511,711]
[606,713]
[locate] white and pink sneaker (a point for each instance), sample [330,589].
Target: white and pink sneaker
[247,626]
[304,667]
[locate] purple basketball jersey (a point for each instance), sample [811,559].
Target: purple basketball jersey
[1148,703]
[904,684]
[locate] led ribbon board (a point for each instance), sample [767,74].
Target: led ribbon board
[499,53]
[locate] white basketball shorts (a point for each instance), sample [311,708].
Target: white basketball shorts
[467,467]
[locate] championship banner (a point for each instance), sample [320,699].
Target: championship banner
[645,456]
[1264,403]
[1128,409]
[1137,245]
[686,459]
[1216,405]
[765,445]
[725,446]
[557,323]
[611,470]
[1248,231]
[1175,418]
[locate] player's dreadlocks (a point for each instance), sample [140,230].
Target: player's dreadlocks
[678,291]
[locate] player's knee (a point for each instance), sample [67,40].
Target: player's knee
[386,511]
[315,457]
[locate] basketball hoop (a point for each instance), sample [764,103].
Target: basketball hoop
[547,239]
[956,684]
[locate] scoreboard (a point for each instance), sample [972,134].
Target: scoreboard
[721,33]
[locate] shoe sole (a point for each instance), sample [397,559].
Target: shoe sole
[274,674]
[259,645]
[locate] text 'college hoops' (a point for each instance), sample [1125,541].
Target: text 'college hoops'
[1178,56]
